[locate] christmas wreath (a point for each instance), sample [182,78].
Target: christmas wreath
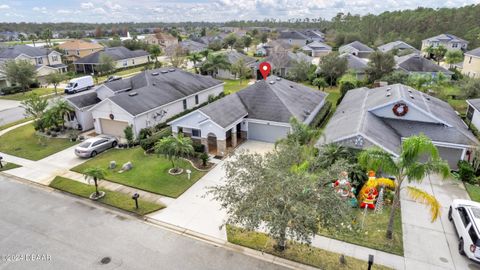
[400,109]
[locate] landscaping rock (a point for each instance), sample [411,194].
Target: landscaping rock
[113,165]
[127,166]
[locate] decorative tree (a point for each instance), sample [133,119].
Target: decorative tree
[418,158]
[173,148]
[453,57]
[95,173]
[241,70]
[380,64]
[20,72]
[128,131]
[155,52]
[333,67]
[215,62]
[195,58]
[320,83]
[54,79]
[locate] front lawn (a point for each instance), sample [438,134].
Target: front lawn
[23,142]
[112,198]
[301,253]
[150,172]
[9,166]
[373,234]
[473,191]
[232,86]
[38,91]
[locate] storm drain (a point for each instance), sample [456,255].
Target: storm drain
[105,260]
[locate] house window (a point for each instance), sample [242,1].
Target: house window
[470,112]
[196,133]
[470,60]
[78,52]
[125,63]
[196,99]
[54,58]
[66,52]
[133,61]
[39,60]
[184,104]
[454,45]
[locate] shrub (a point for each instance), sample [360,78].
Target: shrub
[128,131]
[148,143]
[347,82]
[204,157]
[198,147]
[466,172]
[322,115]
[11,90]
[145,133]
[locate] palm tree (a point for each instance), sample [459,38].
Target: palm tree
[418,158]
[33,38]
[215,62]
[62,109]
[95,173]
[174,147]
[320,83]
[155,51]
[21,37]
[195,58]
[330,153]
[47,36]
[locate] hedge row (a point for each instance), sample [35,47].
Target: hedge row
[322,115]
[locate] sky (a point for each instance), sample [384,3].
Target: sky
[199,10]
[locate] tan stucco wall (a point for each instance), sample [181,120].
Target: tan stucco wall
[471,66]
[72,54]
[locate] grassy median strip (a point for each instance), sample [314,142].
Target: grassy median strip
[9,166]
[297,252]
[112,198]
[9,125]
[473,191]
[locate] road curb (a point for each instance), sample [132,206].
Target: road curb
[217,242]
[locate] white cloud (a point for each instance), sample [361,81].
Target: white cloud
[113,6]
[100,11]
[87,5]
[4,6]
[40,9]
[64,11]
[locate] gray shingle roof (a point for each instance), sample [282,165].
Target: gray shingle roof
[84,100]
[354,116]
[357,45]
[156,90]
[446,37]
[317,46]
[274,99]
[395,45]
[355,63]
[14,51]
[291,35]
[234,56]
[116,53]
[474,52]
[286,59]
[416,63]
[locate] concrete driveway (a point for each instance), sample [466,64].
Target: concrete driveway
[433,245]
[195,210]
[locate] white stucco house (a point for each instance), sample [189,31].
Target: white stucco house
[260,112]
[473,112]
[142,101]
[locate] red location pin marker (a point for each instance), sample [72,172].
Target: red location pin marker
[265,69]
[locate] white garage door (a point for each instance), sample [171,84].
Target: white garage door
[112,127]
[266,133]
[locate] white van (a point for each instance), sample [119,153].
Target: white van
[79,84]
[465,216]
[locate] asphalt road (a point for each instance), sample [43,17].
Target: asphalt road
[64,232]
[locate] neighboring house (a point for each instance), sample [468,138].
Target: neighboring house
[384,116]
[282,62]
[187,46]
[45,60]
[122,56]
[77,48]
[416,64]
[164,40]
[274,46]
[233,57]
[82,118]
[316,49]
[143,100]
[356,65]
[293,38]
[261,111]
[356,48]
[450,42]
[313,35]
[471,63]
[3,79]
[396,45]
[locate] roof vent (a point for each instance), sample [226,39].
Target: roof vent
[171,70]
[306,112]
[278,79]
[291,86]
[389,94]
[272,82]
[164,71]
[133,94]
[155,73]
[409,90]
[411,96]
[388,89]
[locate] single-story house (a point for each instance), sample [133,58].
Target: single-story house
[233,57]
[274,46]
[262,112]
[122,56]
[396,45]
[282,62]
[414,63]
[314,35]
[317,49]
[142,101]
[384,116]
[356,65]
[294,38]
[356,48]
[46,61]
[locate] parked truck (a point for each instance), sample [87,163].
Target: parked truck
[79,84]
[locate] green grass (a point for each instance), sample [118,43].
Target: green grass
[373,234]
[23,142]
[112,198]
[473,191]
[39,91]
[458,105]
[232,86]
[295,251]
[9,166]
[150,172]
[15,123]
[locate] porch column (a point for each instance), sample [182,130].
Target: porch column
[234,136]
[204,141]
[243,133]
[221,147]
[175,131]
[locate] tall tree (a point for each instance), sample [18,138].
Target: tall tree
[247,41]
[47,35]
[230,40]
[22,38]
[453,57]
[276,193]
[215,62]
[418,159]
[178,57]
[380,64]
[33,38]
[333,67]
[155,52]
[241,70]
[195,58]
[106,64]
[34,105]
[20,72]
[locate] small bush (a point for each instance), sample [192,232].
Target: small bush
[145,133]
[10,90]
[322,115]
[148,143]
[204,157]
[198,147]
[466,172]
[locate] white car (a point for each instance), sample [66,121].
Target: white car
[465,216]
